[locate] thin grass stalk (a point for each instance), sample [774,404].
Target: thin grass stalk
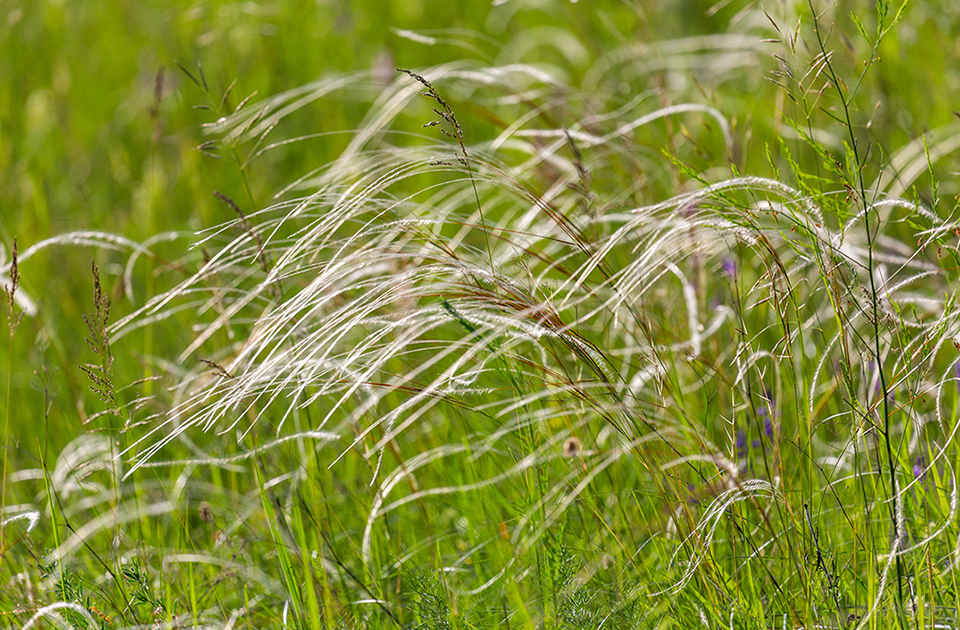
[862,194]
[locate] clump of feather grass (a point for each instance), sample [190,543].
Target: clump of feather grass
[563,306]
[539,287]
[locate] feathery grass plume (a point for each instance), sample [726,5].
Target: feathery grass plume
[407,307]
[403,313]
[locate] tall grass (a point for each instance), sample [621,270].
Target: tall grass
[562,357]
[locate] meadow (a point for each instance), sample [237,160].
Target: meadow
[523,314]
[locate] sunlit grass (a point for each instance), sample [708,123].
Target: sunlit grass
[671,340]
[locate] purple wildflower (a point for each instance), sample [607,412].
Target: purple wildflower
[918,467]
[729,266]
[741,443]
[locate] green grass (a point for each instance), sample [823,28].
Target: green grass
[598,316]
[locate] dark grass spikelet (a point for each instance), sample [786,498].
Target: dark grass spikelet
[154,109]
[99,341]
[247,227]
[14,318]
[445,112]
[219,369]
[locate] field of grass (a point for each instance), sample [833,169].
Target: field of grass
[596,314]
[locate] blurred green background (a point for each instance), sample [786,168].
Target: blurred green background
[97,128]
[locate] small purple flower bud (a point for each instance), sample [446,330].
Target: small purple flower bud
[918,466]
[741,443]
[729,266]
[768,426]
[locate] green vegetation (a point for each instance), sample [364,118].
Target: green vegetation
[594,315]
